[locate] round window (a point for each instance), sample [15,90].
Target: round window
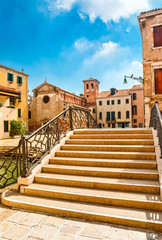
[46,99]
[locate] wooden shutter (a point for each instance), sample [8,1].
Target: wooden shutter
[158,81]
[157,36]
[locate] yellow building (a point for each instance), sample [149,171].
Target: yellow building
[13,98]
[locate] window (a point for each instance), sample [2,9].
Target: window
[19,98]
[119,115]
[135,120]
[158,81]
[94,110]
[112,102]
[91,85]
[100,115]
[127,114]
[100,125]
[19,112]
[157,36]
[100,103]
[134,96]
[127,101]
[5,126]
[103,125]
[119,125]
[140,125]
[119,101]
[108,102]
[10,77]
[108,116]
[112,116]
[134,110]
[19,80]
[87,86]
[46,99]
[127,124]
[87,96]
[29,114]
[135,126]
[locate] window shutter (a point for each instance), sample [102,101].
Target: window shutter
[157,36]
[158,81]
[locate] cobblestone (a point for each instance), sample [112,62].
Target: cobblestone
[26,225]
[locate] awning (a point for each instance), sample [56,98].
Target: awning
[9,92]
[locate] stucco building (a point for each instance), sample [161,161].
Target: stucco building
[121,108]
[13,98]
[150,23]
[48,101]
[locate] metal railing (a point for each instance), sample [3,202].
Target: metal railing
[156,123]
[20,160]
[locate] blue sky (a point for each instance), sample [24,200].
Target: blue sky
[67,41]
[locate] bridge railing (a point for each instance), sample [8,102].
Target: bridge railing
[20,160]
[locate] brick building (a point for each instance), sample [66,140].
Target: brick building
[48,101]
[150,23]
[91,91]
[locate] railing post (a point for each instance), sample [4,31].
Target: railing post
[71,117]
[88,119]
[48,139]
[24,158]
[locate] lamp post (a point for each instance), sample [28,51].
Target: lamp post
[139,79]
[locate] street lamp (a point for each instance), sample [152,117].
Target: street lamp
[139,79]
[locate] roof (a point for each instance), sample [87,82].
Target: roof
[137,87]
[11,69]
[90,80]
[8,90]
[56,89]
[152,12]
[120,93]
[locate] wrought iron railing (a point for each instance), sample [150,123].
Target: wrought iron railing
[156,123]
[20,160]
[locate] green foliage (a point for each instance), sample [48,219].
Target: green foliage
[12,106]
[17,128]
[1,104]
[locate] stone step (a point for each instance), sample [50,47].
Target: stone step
[110,142]
[130,185]
[92,212]
[108,155]
[102,172]
[141,164]
[109,148]
[106,197]
[113,131]
[112,136]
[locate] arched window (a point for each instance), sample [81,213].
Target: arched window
[29,114]
[87,86]
[91,85]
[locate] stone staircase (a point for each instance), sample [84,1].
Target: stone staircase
[99,175]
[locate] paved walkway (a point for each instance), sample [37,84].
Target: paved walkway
[25,225]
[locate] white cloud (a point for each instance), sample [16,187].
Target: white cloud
[83,44]
[103,52]
[106,10]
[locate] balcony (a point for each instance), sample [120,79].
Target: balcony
[111,120]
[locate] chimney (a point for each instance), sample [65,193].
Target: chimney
[22,70]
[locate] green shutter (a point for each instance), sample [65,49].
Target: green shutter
[5,126]
[19,112]
[108,116]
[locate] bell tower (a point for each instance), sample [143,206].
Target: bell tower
[91,90]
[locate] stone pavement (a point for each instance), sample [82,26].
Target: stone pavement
[26,225]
